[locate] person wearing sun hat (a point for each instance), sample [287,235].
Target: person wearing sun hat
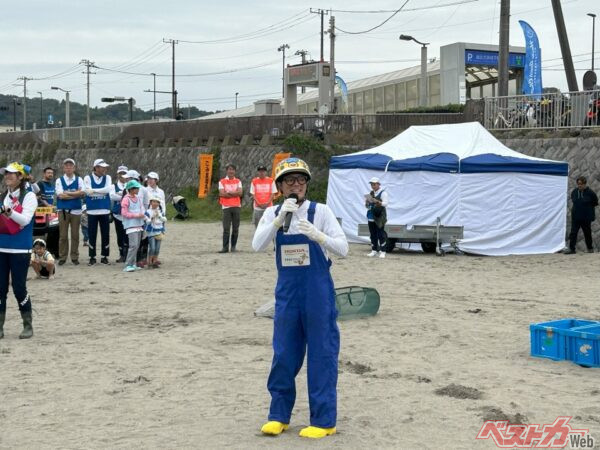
[69,191]
[132,210]
[305,313]
[16,237]
[97,188]
[376,202]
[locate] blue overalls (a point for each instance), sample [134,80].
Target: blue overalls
[305,317]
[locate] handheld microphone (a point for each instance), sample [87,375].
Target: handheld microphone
[288,216]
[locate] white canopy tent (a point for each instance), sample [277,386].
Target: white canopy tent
[508,203]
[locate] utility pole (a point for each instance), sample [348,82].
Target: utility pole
[282,48]
[25,79]
[503,48]
[173,91]
[154,91]
[322,13]
[302,53]
[41,109]
[332,63]
[88,64]
[564,46]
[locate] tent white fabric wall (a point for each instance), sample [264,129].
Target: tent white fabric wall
[502,212]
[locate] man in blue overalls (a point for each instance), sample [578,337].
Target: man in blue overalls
[305,314]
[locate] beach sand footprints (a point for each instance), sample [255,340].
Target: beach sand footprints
[459,391]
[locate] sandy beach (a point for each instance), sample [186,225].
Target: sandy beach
[174,358]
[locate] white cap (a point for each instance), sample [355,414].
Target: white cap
[122,169]
[152,175]
[69,160]
[374,180]
[154,198]
[132,174]
[100,162]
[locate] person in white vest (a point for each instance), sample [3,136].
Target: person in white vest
[16,236]
[97,189]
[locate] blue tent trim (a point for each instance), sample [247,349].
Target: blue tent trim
[375,161]
[440,162]
[449,163]
[489,162]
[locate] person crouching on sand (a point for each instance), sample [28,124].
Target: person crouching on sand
[305,314]
[42,260]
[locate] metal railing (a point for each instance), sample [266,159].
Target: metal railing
[551,110]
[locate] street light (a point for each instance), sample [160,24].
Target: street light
[282,48]
[423,88]
[593,16]
[236,94]
[67,105]
[129,100]
[41,109]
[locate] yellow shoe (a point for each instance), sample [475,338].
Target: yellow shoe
[316,432]
[274,428]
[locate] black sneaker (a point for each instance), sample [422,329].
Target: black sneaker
[104,260]
[92,261]
[61,262]
[223,250]
[590,250]
[569,252]
[120,260]
[75,262]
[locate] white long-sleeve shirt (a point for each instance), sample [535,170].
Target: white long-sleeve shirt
[87,181]
[68,180]
[24,217]
[324,221]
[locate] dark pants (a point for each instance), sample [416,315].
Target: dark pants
[378,237]
[142,252]
[231,219]
[122,240]
[586,226]
[93,221]
[15,265]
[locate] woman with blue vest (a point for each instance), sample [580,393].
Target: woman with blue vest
[116,195]
[97,188]
[305,314]
[69,192]
[132,210]
[16,237]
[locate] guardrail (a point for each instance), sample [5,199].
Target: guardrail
[236,127]
[551,110]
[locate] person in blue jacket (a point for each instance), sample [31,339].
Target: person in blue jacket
[16,236]
[305,313]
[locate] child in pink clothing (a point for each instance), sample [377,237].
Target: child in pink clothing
[132,210]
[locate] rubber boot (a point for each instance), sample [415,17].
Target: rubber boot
[233,242]
[316,432]
[27,325]
[274,428]
[2,317]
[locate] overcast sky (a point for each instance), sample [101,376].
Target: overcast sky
[41,39]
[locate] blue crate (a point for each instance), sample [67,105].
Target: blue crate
[583,345]
[549,339]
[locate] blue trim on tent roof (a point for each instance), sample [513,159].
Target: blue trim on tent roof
[489,162]
[448,163]
[440,162]
[375,161]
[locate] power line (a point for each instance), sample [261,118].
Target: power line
[286,24]
[377,26]
[381,11]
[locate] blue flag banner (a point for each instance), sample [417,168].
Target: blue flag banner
[344,89]
[532,79]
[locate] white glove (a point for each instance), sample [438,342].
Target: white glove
[288,206]
[309,230]
[89,192]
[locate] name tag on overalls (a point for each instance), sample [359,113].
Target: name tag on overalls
[295,255]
